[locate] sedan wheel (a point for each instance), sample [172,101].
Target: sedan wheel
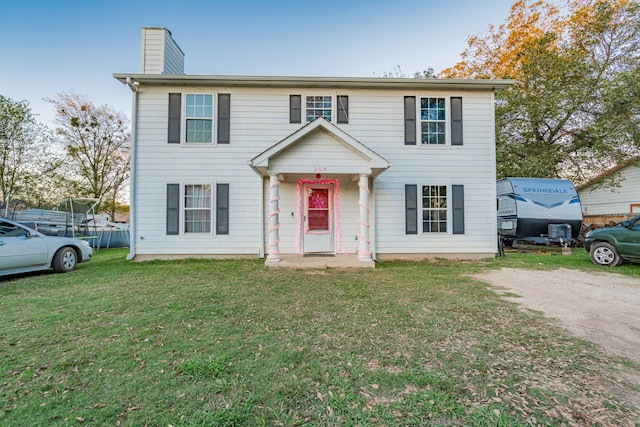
[603,253]
[64,260]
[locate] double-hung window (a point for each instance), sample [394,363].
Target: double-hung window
[318,106]
[333,108]
[199,118]
[432,120]
[197,208]
[434,208]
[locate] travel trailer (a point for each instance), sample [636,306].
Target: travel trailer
[538,210]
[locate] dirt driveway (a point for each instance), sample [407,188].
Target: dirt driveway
[600,307]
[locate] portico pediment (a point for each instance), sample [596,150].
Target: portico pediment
[319,146]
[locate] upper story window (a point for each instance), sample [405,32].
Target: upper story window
[199,118]
[436,120]
[432,120]
[191,118]
[333,108]
[318,106]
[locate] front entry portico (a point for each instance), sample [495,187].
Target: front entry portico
[321,177]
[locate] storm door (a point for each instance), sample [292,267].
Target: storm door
[318,233]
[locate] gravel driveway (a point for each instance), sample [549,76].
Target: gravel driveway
[599,307]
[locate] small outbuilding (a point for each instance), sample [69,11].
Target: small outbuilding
[602,203]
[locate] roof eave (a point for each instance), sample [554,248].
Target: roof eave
[312,82]
[609,172]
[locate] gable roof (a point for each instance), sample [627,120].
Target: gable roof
[632,162]
[370,160]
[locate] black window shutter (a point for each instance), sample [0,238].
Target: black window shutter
[173,209]
[224,117]
[343,109]
[411,208]
[175,105]
[222,209]
[409,120]
[457,199]
[295,108]
[456,120]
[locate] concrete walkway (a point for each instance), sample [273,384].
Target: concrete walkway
[337,261]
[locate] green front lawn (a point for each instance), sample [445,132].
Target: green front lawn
[233,343]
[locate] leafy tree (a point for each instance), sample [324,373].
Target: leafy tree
[26,158]
[573,110]
[97,143]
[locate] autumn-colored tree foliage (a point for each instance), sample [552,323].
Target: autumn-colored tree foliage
[97,142]
[574,107]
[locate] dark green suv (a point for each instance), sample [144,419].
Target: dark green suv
[612,246]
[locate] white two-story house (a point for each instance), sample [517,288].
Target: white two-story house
[369,168]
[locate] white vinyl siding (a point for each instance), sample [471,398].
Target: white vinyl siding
[173,56]
[153,51]
[312,155]
[160,163]
[617,200]
[471,165]
[161,55]
[260,119]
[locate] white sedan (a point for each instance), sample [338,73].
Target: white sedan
[23,249]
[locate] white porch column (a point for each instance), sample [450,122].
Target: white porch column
[274,219]
[364,242]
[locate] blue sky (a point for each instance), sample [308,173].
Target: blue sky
[53,46]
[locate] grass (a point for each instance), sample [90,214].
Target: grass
[232,343]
